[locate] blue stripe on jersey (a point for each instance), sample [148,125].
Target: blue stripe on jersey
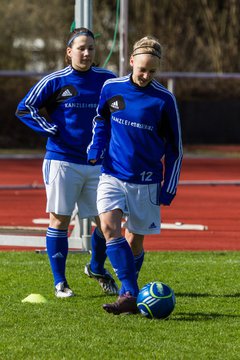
[37,89]
[69,130]
[134,130]
[177,165]
[33,96]
[117,80]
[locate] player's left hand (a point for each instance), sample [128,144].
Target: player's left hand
[166,198]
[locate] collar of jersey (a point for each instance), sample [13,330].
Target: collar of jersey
[81,73]
[136,86]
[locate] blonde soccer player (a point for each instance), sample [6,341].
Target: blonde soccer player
[138,127]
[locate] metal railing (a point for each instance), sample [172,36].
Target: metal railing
[171,77]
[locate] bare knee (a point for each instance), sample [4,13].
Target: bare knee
[111,224]
[110,231]
[60,222]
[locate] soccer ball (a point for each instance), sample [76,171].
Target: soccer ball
[156,300]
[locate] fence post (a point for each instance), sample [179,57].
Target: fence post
[170,85]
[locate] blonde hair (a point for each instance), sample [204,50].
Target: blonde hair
[147,45]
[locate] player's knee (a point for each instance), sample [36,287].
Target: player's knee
[109,231]
[59,221]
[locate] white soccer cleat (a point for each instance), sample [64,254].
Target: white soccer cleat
[62,290]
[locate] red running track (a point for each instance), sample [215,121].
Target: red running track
[217,207]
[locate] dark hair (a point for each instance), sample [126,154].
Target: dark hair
[73,34]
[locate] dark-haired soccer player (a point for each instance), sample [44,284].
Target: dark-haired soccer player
[70,97]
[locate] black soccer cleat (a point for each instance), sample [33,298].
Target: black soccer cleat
[125,304]
[106,281]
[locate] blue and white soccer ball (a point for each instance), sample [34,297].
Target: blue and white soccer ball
[156,300]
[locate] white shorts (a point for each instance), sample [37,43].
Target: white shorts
[68,184]
[138,202]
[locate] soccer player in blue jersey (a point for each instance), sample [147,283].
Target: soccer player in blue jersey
[70,97]
[137,125]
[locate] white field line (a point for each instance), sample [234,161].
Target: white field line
[75,242]
[169,226]
[210,182]
[33,241]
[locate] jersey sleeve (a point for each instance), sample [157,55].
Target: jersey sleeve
[173,151]
[101,130]
[28,110]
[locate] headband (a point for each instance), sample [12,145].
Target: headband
[155,53]
[83,32]
[147,52]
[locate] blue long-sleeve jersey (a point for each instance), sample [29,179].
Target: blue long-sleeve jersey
[136,127]
[70,98]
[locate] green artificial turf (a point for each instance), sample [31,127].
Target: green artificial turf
[205,323]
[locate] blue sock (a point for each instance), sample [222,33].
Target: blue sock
[122,260]
[99,256]
[138,264]
[57,249]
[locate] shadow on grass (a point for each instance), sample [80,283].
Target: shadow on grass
[182,316]
[204,295]
[103,296]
